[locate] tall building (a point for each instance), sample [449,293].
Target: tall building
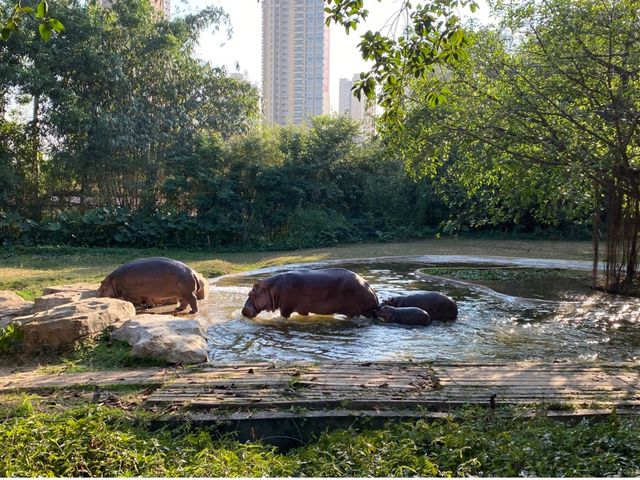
[348,104]
[295,60]
[344,96]
[162,6]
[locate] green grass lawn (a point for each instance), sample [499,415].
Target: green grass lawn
[91,440]
[28,270]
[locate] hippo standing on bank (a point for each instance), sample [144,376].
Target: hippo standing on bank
[155,281]
[323,292]
[404,315]
[437,305]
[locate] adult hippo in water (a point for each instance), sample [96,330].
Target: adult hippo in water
[147,282]
[404,315]
[323,292]
[437,305]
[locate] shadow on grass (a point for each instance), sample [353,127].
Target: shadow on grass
[96,354]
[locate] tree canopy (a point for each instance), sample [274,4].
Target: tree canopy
[551,95]
[114,99]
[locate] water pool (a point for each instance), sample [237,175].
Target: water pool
[505,315]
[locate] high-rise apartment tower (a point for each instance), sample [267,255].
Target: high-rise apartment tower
[349,105]
[295,60]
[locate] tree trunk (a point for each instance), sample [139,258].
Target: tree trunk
[595,235]
[623,227]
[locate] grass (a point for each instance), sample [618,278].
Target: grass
[92,354]
[504,274]
[27,270]
[96,440]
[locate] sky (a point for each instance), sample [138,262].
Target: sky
[243,52]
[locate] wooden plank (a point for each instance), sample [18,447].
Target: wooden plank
[406,385]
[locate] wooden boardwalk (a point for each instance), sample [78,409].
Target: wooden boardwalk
[400,385]
[286,404]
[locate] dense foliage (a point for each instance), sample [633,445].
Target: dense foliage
[113,102]
[102,441]
[285,187]
[542,122]
[134,143]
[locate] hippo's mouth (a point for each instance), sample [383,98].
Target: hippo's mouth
[249,311]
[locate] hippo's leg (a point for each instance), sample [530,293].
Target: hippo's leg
[182,305]
[193,302]
[285,312]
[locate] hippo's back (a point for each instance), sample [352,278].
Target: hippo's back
[437,305]
[154,277]
[325,291]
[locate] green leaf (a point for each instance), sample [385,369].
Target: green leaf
[5,33]
[27,10]
[45,31]
[56,25]
[41,10]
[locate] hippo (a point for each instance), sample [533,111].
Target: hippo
[437,305]
[404,315]
[323,292]
[155,281]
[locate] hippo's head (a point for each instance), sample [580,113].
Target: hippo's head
[393,302]
[203,287]
[259,300]
[385,312]
[106,289]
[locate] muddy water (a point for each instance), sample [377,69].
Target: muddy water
[535,318]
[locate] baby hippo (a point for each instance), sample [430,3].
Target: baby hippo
[437,305]
[155,281]
[404,315]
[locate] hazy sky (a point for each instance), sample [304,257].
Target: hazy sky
[245,46]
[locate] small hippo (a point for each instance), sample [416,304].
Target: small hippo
[404,315]
[323,292]
[153,281]
[437,305]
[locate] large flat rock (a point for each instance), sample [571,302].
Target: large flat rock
[86,290]
[64,324]
[164,337]
[12,305]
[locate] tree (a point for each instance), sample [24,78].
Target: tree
[118,98]
[557,88]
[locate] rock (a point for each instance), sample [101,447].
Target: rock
[12,305]
[86,290]
[164,337]
[64,324]
[52,300]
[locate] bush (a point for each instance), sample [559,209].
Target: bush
[317,227]
[11,338]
